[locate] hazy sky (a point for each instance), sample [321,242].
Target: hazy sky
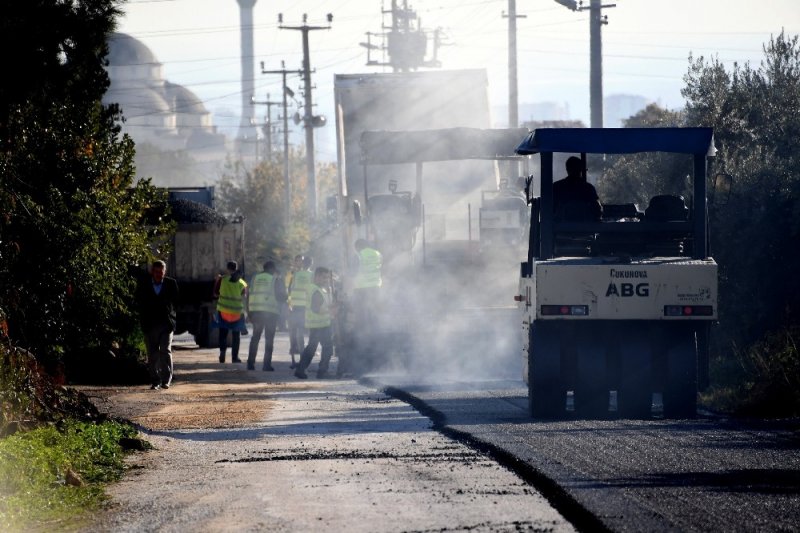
[646,44]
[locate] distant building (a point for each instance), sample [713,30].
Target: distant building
[531,112]
[620,107]
[534,124]
[164,114]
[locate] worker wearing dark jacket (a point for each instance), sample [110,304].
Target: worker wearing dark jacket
[267,292]
[574,198]
[157,297]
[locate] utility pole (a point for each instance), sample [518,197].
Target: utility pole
[309,120]
[287,184]
[268,130]
[596,22]
[513,83]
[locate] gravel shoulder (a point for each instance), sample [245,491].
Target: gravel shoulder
[254,451]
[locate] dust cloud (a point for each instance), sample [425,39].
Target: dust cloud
[447,304]
[448,287]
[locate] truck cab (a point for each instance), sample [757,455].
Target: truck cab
[616,309]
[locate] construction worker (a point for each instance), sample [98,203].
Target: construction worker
[366,285]
[266,293]
[231,291]
[302,279]
[318,322]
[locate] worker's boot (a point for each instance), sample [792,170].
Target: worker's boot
[300,371]
[268,363]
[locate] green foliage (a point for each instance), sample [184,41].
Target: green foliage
[16,399]
[763,379]
[72,226]
[59,454]
[257,194]
[29,397]
[639,177]
[53,473]
[754,235]
[755,113]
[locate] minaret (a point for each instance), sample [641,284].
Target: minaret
[247,127]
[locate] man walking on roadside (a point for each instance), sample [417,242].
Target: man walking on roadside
[266,295]
[157,296]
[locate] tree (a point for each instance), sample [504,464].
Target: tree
[257,194]
[639,177]
[755,113]
[72,225]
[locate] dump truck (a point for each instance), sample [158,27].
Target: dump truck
[616,312]
[203,243]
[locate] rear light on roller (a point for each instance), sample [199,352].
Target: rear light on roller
[688,310]
[565,310]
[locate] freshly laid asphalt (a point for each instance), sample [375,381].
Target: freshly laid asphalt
[705,474]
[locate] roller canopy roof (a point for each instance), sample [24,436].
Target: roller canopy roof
[450,144]
[698,141]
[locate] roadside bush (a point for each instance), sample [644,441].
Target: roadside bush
[29,397]
[762,380]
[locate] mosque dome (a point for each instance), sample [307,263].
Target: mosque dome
[142,102]
[155,111]
[124,50]
[185,101]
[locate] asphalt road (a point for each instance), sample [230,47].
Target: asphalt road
[706,474]
[258,451]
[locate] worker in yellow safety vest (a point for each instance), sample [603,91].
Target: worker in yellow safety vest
[231,292]
[318,321]
[302,279]
[266,293]
[366,295]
